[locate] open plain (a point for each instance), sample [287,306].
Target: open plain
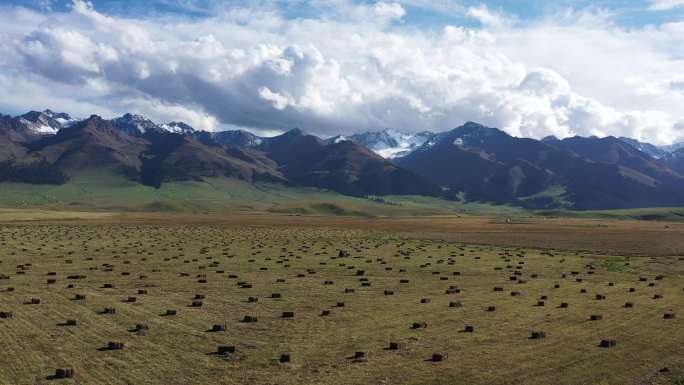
[223,299]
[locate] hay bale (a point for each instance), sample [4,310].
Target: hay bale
[115,345]
[248,319]
[218,328]
[6,314]
[438,357]
[394,346]
[141,327]
[224,350]
[537,335]
[64,373]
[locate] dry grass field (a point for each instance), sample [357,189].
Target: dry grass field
[476,289]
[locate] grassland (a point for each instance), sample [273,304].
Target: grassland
[667,214]
[100,191]
[103,191]
[444,260]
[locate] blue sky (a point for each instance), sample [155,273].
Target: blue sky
[628,13]
[531,68]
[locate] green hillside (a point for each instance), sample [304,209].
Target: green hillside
[103,191]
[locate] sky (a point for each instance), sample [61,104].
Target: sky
[531,68]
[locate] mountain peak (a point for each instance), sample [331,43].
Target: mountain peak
[45,122]
[134,124]
[470,124]
[94,117]
[178,128]
[294,132]
[390,143]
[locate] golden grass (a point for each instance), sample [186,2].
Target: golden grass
[260,250]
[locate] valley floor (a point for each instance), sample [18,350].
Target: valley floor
[437,272]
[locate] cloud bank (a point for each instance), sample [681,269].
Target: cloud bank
[353,67]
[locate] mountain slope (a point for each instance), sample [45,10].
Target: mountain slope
[647,148]
[10,146]
[345,167]
[676,161]
[488,164]
[615,151]
[93,142]
[237,138]
[152,158]
[175,157]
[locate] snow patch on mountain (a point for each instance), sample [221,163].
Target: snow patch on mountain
[672,148]
[45,122]
[177,128]
[134,124]
[390,143]
[647,148]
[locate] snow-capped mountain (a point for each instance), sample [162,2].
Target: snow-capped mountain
[647,148]
[45,122]
[237,138]
[338,139]
[177,128]
[469,135]
[388,143]
[139,125]
[672,148]
[134,124]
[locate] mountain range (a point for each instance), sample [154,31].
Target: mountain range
[471,162]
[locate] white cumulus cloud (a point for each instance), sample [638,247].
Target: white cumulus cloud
[356,67]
